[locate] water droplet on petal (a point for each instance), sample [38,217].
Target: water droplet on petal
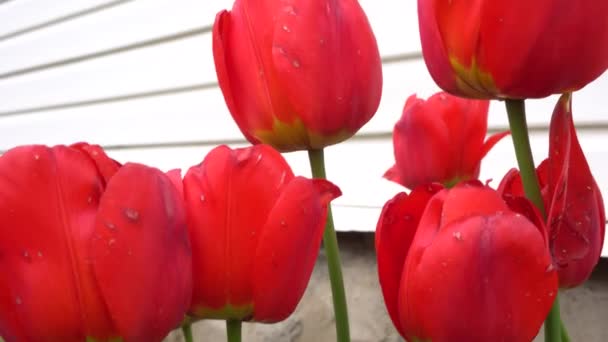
[90,199]
[258,159]
[110,225]
[295,63]
[18,300]
[286,29]
[283,224]
[131,214]
[39,254]
[111,242]
[27,256]
[36,156]
[458,236]
[202,197]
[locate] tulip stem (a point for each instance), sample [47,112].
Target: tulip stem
[330,243]
[233,331]
[187,331]
[516,110]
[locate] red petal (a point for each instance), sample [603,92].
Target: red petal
[228,198]
[489,272]
[576,216]
[107,167]
[141,254]
[289,246]
[394,233]
[48,203]
[328,64]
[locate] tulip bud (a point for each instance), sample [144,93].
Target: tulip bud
[440,140]
[576,216]
[470,267]
[513,49]
[255,230]
[298,74]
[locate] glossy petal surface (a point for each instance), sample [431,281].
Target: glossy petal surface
[141,254]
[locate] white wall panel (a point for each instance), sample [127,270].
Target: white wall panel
[130,23]
[176,64]
[16,15]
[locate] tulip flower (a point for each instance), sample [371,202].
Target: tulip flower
[513,49]
[300,74]
[464,265]
[89,249]
[255,231]
[576,217]
[440,140]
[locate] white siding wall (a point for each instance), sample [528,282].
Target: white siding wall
[137,77]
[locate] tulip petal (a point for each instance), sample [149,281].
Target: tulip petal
[328,64]
[48,205]
[576,216]
[289,246]
[107,167]
[141,255]
[228,198]
[472,269]
[394,233]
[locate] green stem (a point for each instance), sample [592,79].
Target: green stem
[187,331]
[330,243]
[233,331]
[521,141]
[565,336]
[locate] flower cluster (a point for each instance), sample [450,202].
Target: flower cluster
[95,250]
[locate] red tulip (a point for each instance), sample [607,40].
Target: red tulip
[255,230]
[297,74]
[89,249]
[514,49]
[573,200]
[470,267]
[440,140]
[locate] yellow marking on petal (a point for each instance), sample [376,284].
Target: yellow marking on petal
[287,137]
[475,82]
[242,312]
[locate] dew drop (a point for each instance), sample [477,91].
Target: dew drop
[550,268]
[282,180]
[444,264]
[90,199]
[110,225]
[202,197]
[131,214]
[283,223]
[286,29]
[290,10]
[359,52]
[39,254]
[551,294]
[36,156]
[407,217]
[321,42]
[528,294]
[458,236]
[18,300]
[258,159]
[27,256]
[111,242]
[94,153]
[295,63]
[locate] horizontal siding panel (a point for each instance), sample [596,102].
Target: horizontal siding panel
[180,63]
[130,23]
[17,15]
[193,112]
[136,21]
